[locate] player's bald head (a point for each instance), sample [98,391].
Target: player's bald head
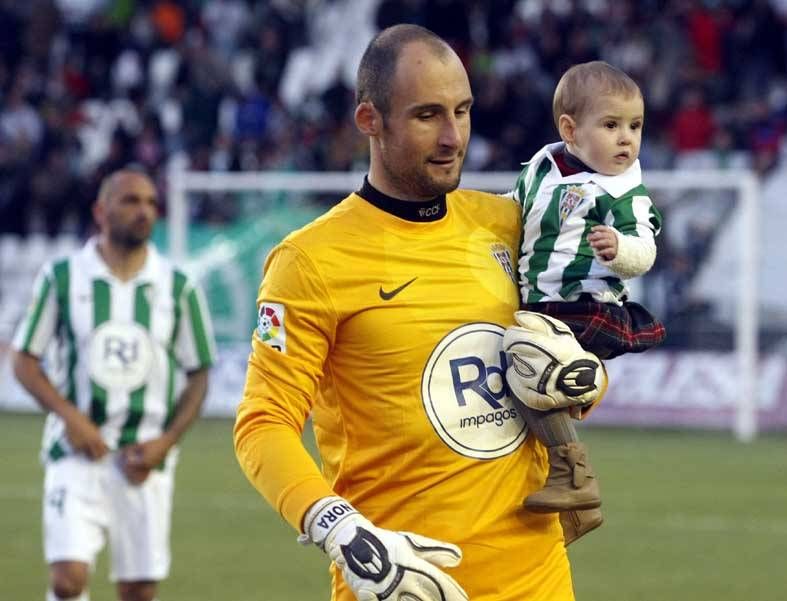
[377,70]
[120,181]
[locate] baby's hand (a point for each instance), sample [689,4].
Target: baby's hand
[603,241]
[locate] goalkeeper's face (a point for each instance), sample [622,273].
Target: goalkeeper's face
[423,141]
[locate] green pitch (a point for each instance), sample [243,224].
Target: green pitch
[689,516]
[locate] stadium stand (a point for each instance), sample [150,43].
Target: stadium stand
[87,86]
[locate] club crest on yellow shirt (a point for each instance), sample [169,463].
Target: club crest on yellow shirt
[503,256]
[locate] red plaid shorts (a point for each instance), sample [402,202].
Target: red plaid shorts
[606,329]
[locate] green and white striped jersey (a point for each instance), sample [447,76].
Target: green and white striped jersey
[556,263]
[122,348]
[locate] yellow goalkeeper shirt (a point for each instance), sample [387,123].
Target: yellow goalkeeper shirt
[388,332]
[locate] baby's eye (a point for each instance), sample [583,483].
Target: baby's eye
[610,125]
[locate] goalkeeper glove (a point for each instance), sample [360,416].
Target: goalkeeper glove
[378,564]
[547,368]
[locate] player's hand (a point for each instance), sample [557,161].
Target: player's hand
[603,241]
[137,460]
[84,436]
[382,565]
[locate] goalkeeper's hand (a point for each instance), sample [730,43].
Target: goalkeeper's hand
[378,564]
[547,367]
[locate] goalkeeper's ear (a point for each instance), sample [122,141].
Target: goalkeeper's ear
[368,119]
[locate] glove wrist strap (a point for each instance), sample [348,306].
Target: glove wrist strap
[322,518]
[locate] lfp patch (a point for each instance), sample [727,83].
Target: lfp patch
[270,326]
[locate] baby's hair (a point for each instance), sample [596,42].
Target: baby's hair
[582,83]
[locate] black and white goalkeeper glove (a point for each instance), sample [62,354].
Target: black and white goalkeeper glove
[548,369]
[378,564]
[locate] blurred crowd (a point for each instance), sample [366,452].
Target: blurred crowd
[87,86]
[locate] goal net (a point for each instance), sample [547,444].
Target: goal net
[714,371]
[705,376]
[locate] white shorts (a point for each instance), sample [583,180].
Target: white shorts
[85,501]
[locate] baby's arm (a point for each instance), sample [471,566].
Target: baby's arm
[627,256]
[625,243]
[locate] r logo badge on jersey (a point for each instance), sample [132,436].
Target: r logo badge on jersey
[120,355]
[465,394]
[270,326]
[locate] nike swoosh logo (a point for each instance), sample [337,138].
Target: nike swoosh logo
[386,296]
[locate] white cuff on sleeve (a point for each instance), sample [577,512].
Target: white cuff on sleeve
[635,256]
[322,517]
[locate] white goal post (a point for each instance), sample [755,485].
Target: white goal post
[744,183]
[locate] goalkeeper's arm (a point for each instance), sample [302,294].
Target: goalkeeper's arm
[379,564]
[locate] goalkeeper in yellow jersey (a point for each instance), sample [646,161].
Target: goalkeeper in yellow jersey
[384,321]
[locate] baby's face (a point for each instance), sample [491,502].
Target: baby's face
[607,137]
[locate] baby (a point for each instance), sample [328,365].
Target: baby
[589,224]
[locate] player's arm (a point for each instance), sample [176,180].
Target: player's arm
[289,349]
[188,406]
[196,352]
[626,243]
[140,458]
[83,435]
[296,326]
[34,334]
